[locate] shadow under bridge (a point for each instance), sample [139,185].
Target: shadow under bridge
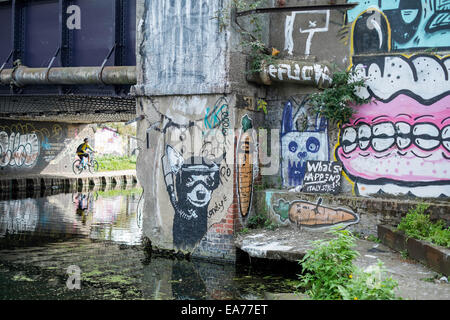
[67,61]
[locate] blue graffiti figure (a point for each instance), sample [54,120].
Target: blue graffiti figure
[218,116]
[297,147]
[45,144]
[405,24]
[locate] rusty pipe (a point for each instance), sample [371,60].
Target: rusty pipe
[300,72]
[23,76]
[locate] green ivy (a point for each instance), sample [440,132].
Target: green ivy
[336,102]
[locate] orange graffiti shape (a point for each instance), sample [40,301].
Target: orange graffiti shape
[245,175]
[313,215]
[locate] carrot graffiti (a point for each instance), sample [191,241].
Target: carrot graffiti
[310,214]
[313,215]
[245,168]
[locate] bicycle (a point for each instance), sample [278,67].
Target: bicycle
[79,165]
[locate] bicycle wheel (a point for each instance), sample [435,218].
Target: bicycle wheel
[77,167]
[93,167]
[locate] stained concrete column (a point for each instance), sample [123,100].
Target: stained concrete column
[186,140]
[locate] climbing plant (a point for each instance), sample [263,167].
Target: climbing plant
[336,102]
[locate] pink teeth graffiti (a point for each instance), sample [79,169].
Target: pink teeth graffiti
[400,144]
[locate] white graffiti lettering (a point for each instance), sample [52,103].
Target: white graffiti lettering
[18,150]
[310,73]
[312,18]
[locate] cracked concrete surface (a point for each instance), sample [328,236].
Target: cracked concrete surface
[416,281]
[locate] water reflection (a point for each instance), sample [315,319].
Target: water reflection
[109,271]
[189,280]
[103,215]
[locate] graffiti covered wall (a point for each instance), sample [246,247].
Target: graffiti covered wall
[196,186]
[312,215]
[415,24]
[189,168]
[34,147]
[299,145]
[399,143]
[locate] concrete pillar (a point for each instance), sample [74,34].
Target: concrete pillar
[197,156]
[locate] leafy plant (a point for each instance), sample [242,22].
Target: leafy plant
[417,224]
[244,231]
[262,105]
[329,272]
[258,54]
[371,237]
[336,102]
[328,265]
[258,221]
[404,254]
[369,284]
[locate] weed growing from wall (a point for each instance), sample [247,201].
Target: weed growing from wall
[336,102]
[259,221]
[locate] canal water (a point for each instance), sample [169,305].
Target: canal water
[87,245]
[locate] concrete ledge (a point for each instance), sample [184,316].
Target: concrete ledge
[67,181]
[435,257]
[286,296]
[282,244]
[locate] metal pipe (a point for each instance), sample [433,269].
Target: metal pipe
[300,72]
[331,6]
[22,76]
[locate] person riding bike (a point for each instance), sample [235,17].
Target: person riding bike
[82,150]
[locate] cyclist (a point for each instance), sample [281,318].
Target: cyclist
[82,206]
[82,150]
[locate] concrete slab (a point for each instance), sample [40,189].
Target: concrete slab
[84,174]
[416,281]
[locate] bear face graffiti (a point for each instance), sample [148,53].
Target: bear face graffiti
[190,185]
[196,184]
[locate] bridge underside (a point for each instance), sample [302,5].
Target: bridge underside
[68,108]
[67,61]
